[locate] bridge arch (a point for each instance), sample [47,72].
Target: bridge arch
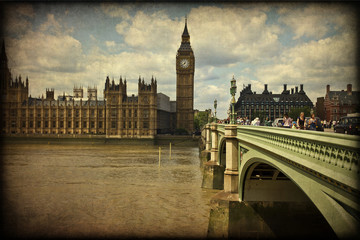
[300,189]
[280,201]
[222,151]
[262,180]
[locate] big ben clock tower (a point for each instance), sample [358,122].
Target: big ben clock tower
[185,67]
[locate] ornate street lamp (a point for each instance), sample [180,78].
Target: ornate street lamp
[233,92]
[215,106]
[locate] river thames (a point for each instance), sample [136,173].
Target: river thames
[102,190]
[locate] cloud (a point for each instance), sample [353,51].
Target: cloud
[122,27]
[224,36]
[17,18]
[116,11]
[155,32]
[316,20]
[47,53]
[110,43]
[51,25]
[328,59]
[25,10]
[37,52]
[314,64]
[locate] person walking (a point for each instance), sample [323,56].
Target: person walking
[287,121]
[267,122]
[312,122]
[301,121]
[256,122]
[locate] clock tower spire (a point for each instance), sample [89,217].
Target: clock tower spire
[185,36]
[185,68]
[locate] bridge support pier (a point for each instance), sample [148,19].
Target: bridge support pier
[204,157]
[231,218]
[231,178]
[213,173]
[225,206]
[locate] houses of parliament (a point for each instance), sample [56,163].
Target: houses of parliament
[117,115]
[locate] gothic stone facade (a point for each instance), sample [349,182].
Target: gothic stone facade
[118,115]
[185,68]
[134,116]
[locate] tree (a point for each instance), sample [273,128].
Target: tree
[200,120]
[295,112]
[261,115]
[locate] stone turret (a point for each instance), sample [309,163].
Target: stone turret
[92,93]
[78,92]
[50,93]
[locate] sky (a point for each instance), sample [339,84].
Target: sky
[59,45]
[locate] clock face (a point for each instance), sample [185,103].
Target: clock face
[184,63]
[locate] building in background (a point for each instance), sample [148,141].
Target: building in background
[251,104]
[185,68]
[166,114]
[130,116]
[320,108]
[340,103]
[118,115]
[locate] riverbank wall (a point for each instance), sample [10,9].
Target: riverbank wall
[100,139]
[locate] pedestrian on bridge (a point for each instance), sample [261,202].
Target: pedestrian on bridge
[301,120]
[267,122]
[256,122]
[287,121]
[312,122]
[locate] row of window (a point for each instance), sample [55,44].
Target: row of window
[61,124]
[145,113]
[274,103]
[267,107]
[77,124]
[344,110]
[13,113]
[130,125]
[266,111]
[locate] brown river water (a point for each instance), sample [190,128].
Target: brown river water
[102,190]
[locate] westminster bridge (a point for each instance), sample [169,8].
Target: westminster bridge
[280,182]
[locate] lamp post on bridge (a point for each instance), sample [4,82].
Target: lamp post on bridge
[215,106]
[233,92]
